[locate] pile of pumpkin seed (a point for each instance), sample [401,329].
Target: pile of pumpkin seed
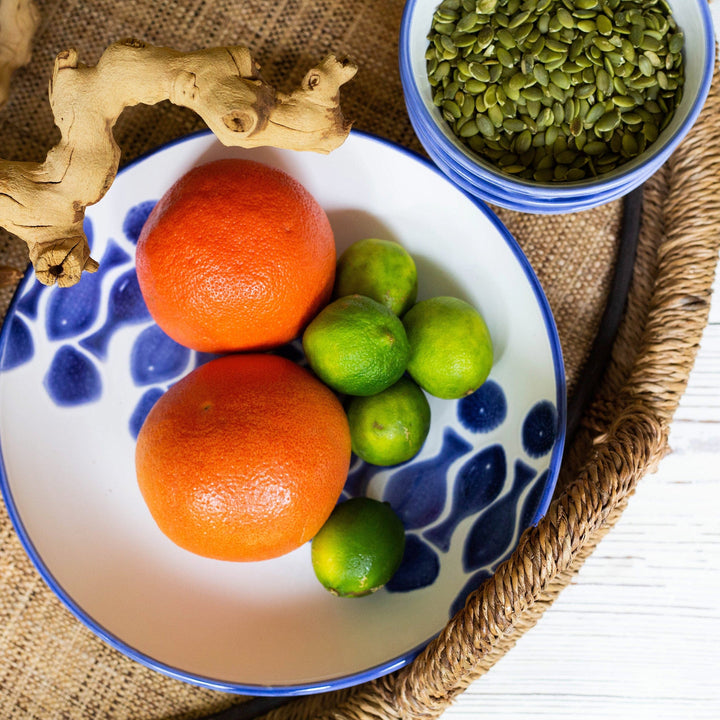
[556,90]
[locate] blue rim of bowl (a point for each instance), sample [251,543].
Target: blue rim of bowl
[375,671]
[522,204]
[517,202]
[628,178]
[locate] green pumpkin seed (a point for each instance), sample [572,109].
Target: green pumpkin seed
[546,117]
[596,147]
[645,66]
[527,64]
[519,19]
[479,72]
[604,25]
[514,125]
[475,87]
[637,32]
[467,23]
[565,18]
[604,82]
[496,116]
[485,125]
[676,43]
[505,38]
[609,121]
[451,107]
[541,75]
[561,79]
[505,57]
[623,101]
[631,118]
[629,145]
[523,142]
[650,131]
[594,114]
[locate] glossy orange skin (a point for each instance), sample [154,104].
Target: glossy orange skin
[244,458]
[236,256]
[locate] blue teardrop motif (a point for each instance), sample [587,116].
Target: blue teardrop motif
[72,310]
[476,579]
[359,477]
[89,231]
[19,346]
[28,303]
[485,409]
[135,219]
[144,406]
[417,491]
[72,378]
[125,306]
[539,429]
[492,532]
[531,505]
[478,483]
[419,568]
[155,357]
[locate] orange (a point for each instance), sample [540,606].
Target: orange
[244,458]
[235,256]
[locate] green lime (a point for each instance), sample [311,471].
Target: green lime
[451,352]
[356,346]
[380,269]
[359,548]
[390,427]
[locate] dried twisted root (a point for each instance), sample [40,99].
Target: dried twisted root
[44,203]
[19,20]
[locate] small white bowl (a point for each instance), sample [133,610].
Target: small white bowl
[489,183]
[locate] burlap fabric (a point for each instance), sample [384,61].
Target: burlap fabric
[51,666]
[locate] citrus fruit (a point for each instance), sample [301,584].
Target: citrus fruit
[359,548]
[390,427]
[244,458]
[451,352]
[236,255]
[356,346]
[380,269]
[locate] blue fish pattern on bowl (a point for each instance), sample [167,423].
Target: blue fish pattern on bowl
[466,495]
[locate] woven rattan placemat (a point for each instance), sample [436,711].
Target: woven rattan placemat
[51,666]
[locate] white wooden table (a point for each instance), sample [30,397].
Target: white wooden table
[636,635]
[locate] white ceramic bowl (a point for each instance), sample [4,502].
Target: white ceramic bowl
[80,367]
[485,181]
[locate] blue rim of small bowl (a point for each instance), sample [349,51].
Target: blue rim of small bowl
[522,203]
[628,178]
[352,679]
[517,202]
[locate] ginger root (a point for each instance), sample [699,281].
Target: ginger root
[44,203]
[19,20]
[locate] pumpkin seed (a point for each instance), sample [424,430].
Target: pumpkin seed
[676,43]
[609,121]
[604,25]
[565,18]
[485,125]
[523,142]
[594,114]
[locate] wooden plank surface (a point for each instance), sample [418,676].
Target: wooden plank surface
[637,633]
